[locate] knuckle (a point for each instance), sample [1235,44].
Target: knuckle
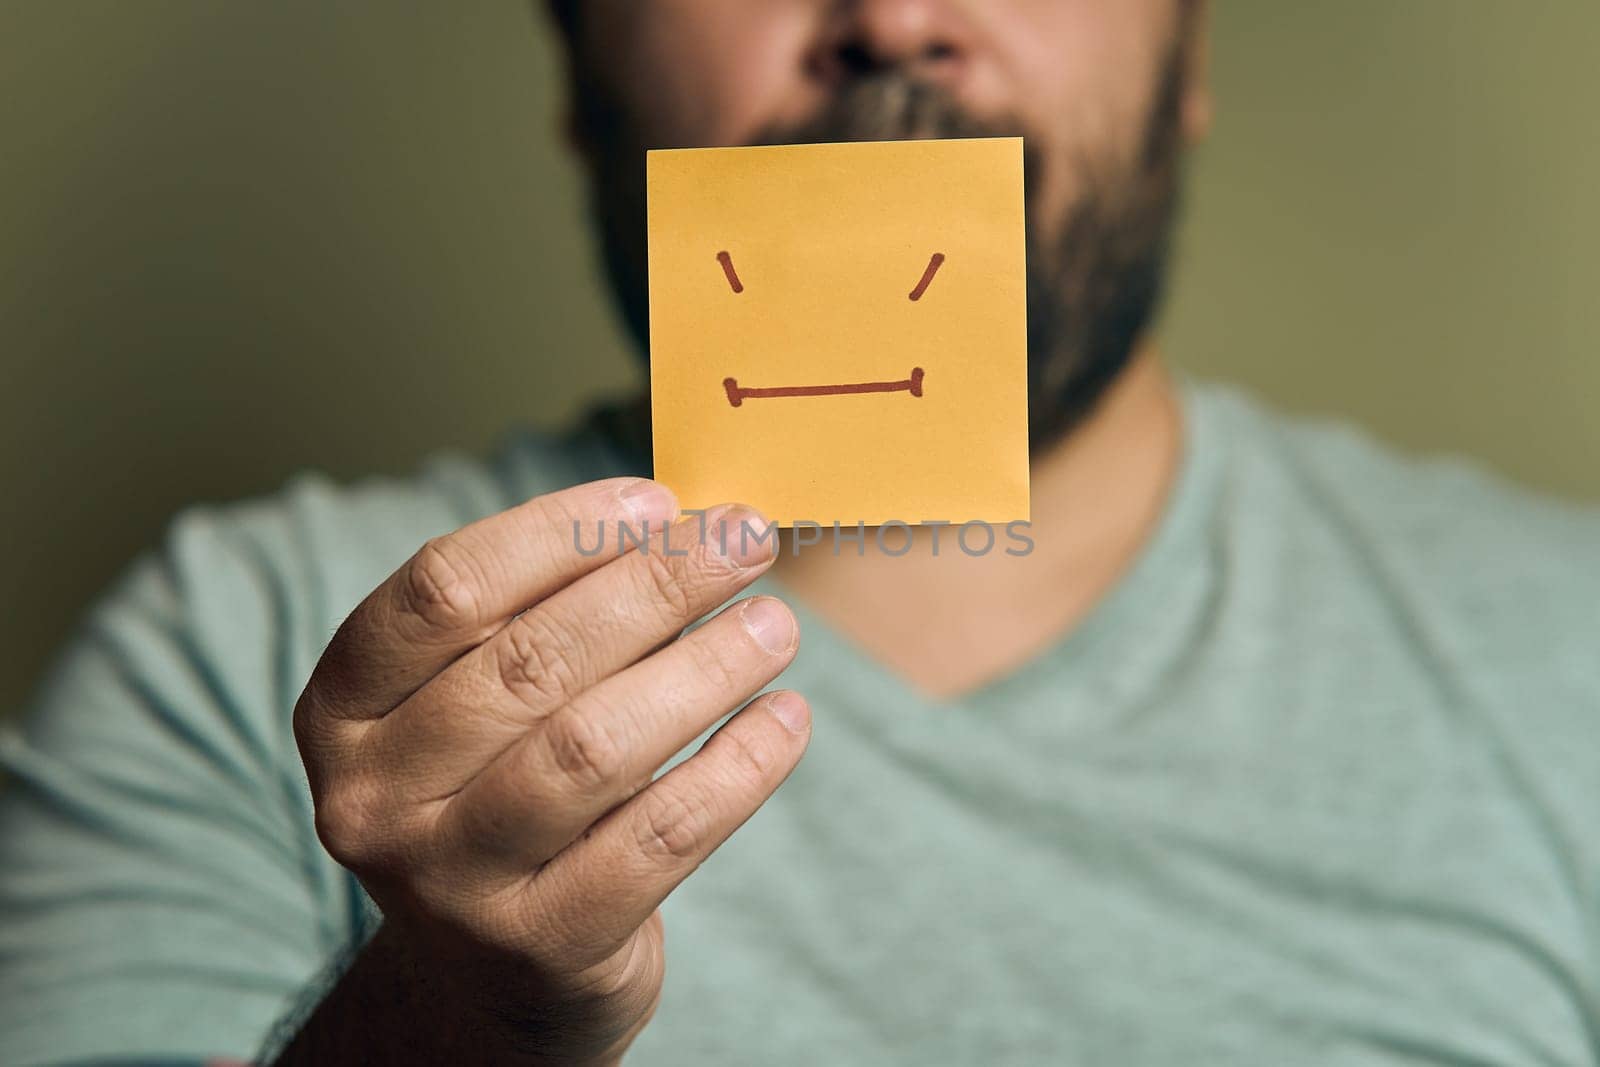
[551,511]
[320,742]
[712,661]
[673,827]
[667,581]
[538,520]
[747,756]
[304,721]
[539,660]
[344,824]
[582,750]
[438,588]
[331,684]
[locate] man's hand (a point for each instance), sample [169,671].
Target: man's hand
[481,736]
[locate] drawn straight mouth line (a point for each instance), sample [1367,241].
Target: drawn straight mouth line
[737,394]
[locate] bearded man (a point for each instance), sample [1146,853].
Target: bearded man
[1277,748]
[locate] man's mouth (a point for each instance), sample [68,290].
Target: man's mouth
[738,394]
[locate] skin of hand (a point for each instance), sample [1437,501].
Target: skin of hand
[482,738]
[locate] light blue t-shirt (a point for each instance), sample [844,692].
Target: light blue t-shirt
[1317,783]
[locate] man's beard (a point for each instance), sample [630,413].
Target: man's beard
[1094,281]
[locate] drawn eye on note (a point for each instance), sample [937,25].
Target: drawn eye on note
[935,261]
[738,394]
[727,268]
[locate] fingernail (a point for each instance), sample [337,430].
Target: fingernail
[740,535]
[649,501]
[770,622]
[790,710]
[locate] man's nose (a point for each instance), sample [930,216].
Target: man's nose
[925,37]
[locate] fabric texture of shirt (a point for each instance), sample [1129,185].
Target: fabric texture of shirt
[1317,783]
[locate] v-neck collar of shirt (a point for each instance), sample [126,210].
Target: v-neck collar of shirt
[1091,648]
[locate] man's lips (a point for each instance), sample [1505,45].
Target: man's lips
[737,394]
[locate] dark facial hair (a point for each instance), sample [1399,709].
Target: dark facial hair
[1094,281]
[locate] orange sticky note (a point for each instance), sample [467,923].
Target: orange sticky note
[838,332]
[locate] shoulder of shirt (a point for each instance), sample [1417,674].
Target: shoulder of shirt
[1440,530]
[218,626]
[260,584]
[346,536]
[1444,590]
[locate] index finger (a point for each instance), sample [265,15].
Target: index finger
[461,588]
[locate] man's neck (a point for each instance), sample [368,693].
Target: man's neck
[950,623]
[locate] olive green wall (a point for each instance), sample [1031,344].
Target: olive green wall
[241,239]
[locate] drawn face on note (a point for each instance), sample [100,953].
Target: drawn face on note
[838,331]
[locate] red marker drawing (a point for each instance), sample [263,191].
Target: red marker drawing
[733,275]
[738,394]
[927,275]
